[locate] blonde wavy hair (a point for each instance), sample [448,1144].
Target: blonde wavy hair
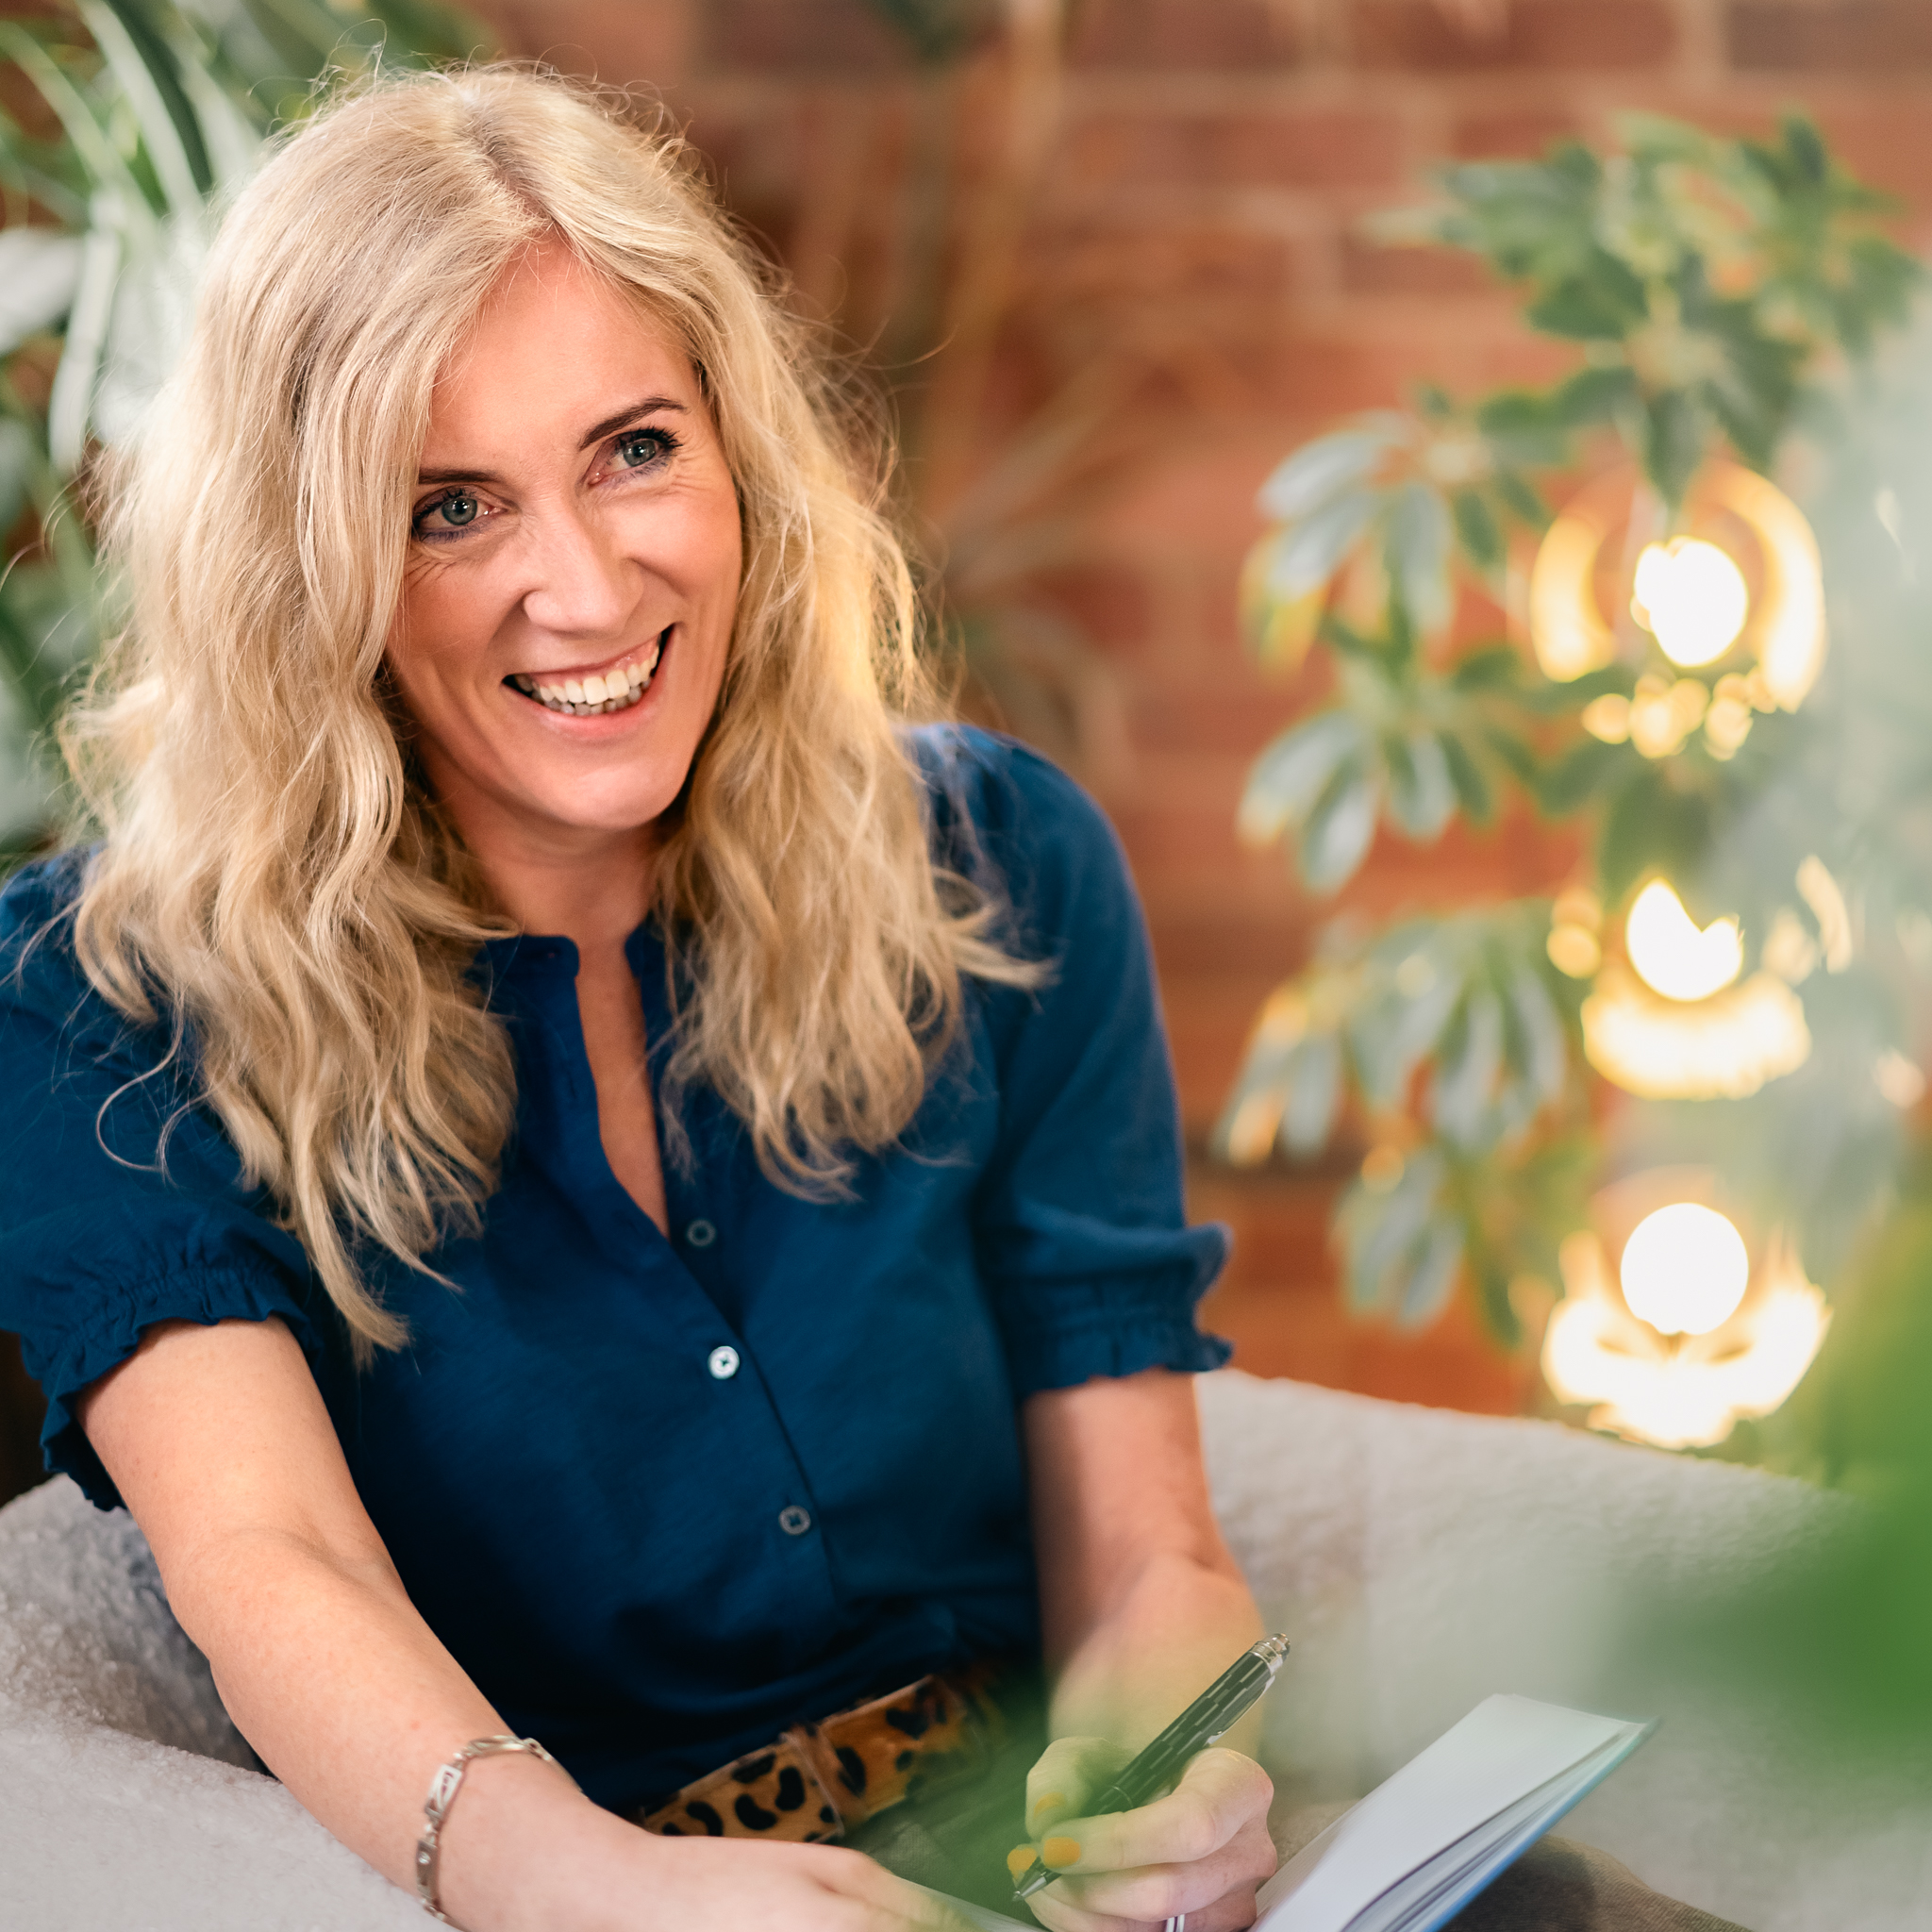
[274,881]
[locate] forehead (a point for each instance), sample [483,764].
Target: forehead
[554,347]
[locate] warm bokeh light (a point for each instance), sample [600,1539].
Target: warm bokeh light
[1790,603]
[1689,1391]
[1671,955]
[1693,592]
[1691,598]
[1566,628]
[1685,1268]
[1725,1047]
[1575,950]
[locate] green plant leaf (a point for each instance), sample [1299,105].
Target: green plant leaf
[1477,531]
[1466,1074]
[1803,146]
[1432,1275]
[1314,1091]
[71,403]
[1417,551]
[1379,1231]
[1596,396]
[1524,428]
[1342,827]
[1511,753]
[1422,792]
[38,271]
[1311,551]
[1321,470]
[1672,444]
[232,141]
[1603,302]
[1390,1037]
[140,70]
[1294,771]
[1588,767]
[92,148]
[1473,792]
[153,314]
[1493,666]
[17,463]
[1522,499]
[1651,822]
[1545,1059]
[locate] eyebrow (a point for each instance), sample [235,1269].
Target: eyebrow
[649,406]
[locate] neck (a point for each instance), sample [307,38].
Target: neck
[590,886]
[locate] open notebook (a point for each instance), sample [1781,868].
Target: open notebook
[1418,1848]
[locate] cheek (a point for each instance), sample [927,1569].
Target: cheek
[443,620]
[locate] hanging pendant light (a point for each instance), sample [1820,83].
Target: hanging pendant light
[1674,1326]
[1733,579]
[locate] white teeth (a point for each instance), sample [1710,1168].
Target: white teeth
[616,689]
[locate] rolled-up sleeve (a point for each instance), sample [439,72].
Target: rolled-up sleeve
[120,1205]
[1081,1226]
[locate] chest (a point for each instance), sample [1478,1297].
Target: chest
[615,1044]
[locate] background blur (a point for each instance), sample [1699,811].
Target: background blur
[1191,294]
[1111,265]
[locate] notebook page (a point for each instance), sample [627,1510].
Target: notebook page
[1504,1750]
[1441,1888]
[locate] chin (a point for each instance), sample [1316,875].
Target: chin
[586,809]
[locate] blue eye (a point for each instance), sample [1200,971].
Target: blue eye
[447,514]
[638,448]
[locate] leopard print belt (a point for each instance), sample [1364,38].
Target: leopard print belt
[818,1781]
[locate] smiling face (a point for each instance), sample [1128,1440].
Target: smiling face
[573,571]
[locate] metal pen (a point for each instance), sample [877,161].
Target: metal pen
[1211,1716]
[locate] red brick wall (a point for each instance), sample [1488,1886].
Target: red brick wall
[1193,252]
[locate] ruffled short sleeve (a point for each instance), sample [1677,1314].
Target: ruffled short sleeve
[120,1204]
[1082,1230]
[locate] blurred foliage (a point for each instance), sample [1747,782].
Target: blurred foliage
[149,112]
[1831,1636]
[1727,298]
[939,30]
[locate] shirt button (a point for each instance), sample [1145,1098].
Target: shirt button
[794,1521]
[723,1363]
[701,1234]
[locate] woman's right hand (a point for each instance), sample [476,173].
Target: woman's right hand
[586,1870]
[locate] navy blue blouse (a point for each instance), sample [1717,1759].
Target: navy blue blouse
[662,1496]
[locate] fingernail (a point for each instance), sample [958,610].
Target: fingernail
[1060,1851]
[1019,1861]
[1049,1801]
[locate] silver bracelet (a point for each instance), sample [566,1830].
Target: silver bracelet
[443,1787]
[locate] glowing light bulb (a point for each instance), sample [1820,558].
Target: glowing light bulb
[1685,1270]
[1670,953]
[1691,597]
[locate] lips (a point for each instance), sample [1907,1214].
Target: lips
[616,689]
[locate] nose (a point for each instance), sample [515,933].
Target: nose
[581,584]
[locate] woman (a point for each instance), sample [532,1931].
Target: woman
[578,1177]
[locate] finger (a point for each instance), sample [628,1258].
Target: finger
[1070,1771]
[890,1902]
[1220,1791]
[1060,1913]
[908,1908]
[1155,1893]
